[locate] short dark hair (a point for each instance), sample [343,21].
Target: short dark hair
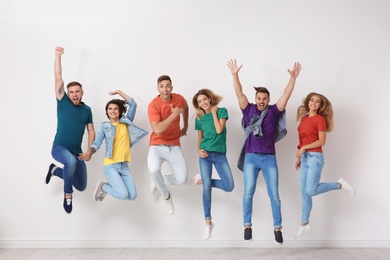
[163,77]
[261,90]
[73,83]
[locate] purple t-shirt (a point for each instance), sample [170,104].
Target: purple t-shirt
[265,143]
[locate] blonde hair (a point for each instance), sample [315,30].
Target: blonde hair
[325,110]
[215,99]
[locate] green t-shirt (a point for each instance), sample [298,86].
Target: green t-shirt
[71,123]
[212,141]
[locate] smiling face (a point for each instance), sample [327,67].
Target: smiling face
[204,103]
[261,100]
[315,103]
[75,93]
[113,112]
[165,88]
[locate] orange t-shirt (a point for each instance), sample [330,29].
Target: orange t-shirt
[159,110]
[308,131]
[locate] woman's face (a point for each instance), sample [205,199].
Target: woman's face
[315,103]
[204,102]
[113,112]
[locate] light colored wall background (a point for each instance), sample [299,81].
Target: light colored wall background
[343,48]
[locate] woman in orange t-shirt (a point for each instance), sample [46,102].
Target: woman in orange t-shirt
[316,118]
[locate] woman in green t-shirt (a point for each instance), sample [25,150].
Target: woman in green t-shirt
[211,125]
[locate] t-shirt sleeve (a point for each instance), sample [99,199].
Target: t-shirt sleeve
[321,124]
[223,113]
[153,113]
[198,125]
[90,120]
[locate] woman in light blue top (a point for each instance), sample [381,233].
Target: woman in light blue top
[120,133]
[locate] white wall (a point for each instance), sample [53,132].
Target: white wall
[342,45]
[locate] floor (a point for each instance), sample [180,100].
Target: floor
[198,253]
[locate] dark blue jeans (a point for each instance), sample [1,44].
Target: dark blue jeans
[74,172]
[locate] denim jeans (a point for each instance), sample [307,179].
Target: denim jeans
[226,182]
[310,174]
[74,172]
[174,156]
[255,162]
[120,182]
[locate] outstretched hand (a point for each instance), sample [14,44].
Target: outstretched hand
[295,71]
[232,64]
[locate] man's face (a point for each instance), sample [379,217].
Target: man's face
[261,100]
[75,93]
[165,88]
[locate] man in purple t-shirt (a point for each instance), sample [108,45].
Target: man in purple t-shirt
[260,150]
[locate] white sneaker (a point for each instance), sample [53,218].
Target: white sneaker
[152,188]
[169,203]
[194,181]
[302,230]
[207,231]
[346,186]
[99,194]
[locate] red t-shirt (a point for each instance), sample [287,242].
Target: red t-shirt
[308,131]
[159,110]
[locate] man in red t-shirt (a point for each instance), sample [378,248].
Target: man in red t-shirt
[164,116]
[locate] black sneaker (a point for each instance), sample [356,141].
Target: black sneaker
[278,237]
[248,234]
[49,174]
[68,205]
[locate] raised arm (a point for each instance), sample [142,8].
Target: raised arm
[59,83]
[120,93]
[234,69]
[282,102]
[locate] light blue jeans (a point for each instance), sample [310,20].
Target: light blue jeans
[74,172]
[172,155]
[310,174]
[254,163]
[226,182]
[120,182]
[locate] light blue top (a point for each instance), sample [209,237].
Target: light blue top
[107,130]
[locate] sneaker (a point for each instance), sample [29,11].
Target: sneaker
[68,204]
[302,230]
[207,231]
[346,186]
[169,203]
[99,193]
[152,188]
[248,234]
[194,181]
[278,237]
[49,173]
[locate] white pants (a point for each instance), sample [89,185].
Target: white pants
[174,156]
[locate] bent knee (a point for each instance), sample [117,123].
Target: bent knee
[229,188]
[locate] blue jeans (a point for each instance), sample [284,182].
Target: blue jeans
[254,163]
[74,172]
[310,173]
[120,182]
[226,182]
[172,155]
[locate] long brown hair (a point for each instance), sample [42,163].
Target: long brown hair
[215,99]
[325,110]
